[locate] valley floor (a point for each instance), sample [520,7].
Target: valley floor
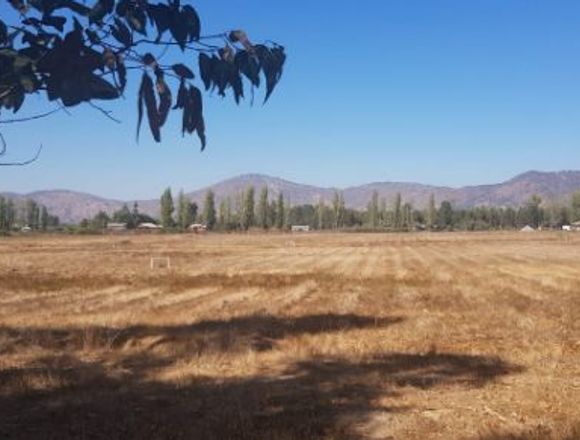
[314,336]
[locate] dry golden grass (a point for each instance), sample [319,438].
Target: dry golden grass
[322,336]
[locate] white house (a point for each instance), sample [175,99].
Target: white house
[197,228]
[149,227]
[300,228]
[116,226]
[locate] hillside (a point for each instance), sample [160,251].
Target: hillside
[72,206]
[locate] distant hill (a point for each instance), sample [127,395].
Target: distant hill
[73,206]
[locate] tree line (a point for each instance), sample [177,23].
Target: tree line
[245,211]
[28,214]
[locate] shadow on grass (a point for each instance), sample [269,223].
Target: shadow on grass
[119,397]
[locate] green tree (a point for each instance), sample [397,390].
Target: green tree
[445,215]
[397,212]
[575,206]
[280,212]
[320,208]
[98,222]
[186,211]
[431,213]
[247,218]
[373,211]
[44,218]
[209,214]
[167,209]
[262,212]
[338,210]
[124,215]
[32,212]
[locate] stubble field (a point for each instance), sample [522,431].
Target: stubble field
[315,336]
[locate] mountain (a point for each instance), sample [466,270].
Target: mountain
[73,206]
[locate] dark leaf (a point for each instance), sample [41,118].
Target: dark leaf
[164,100]
[192,110]
[92,36]
[19,5]
[182,71]
[121,33]
[101,89]
[3,33]
[55,22]
[190,17]
[29,82]
[73,90]
[205,69]
[235,81]
[32,21]
[248,66]
[149,59]
[182,95]
[122,8]
[100,10]
[147,94]
[137,20]
[121,72]
[222,71]
[272,63]
[140,102]
[161,16]
[73,6]
[178,28]
[201,133]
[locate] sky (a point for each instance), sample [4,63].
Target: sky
[446,92]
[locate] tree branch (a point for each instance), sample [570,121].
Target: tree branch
[30,118]
[16,164]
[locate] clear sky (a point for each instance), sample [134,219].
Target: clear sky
[450,92]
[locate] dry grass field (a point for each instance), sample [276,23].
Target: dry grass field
[321,336]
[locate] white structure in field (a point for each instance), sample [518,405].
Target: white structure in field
[116,226]
[527,228]
[197,228]
[300,228]
[149,226]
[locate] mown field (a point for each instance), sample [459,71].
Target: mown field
[321,336]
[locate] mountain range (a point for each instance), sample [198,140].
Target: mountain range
[72,206]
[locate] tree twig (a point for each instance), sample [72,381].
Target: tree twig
[30,118]
[16,164]
[107,113]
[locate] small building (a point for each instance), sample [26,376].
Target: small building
[527,228]
[116,227]
[149,227]
[197,228]
[575,226]
[300,228]
[566,227]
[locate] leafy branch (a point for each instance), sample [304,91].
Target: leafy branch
[87,54]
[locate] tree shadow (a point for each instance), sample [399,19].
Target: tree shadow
[258,332]
[326,397]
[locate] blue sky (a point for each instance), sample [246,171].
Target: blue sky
[449,92]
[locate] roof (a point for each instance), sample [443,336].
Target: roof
[116,225]
[527,228]
[148,226]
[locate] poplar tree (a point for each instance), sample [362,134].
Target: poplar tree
[209,214]
[262,211]
[431,213]
[248,219]
[280,212]
[167,209]
[397,211]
